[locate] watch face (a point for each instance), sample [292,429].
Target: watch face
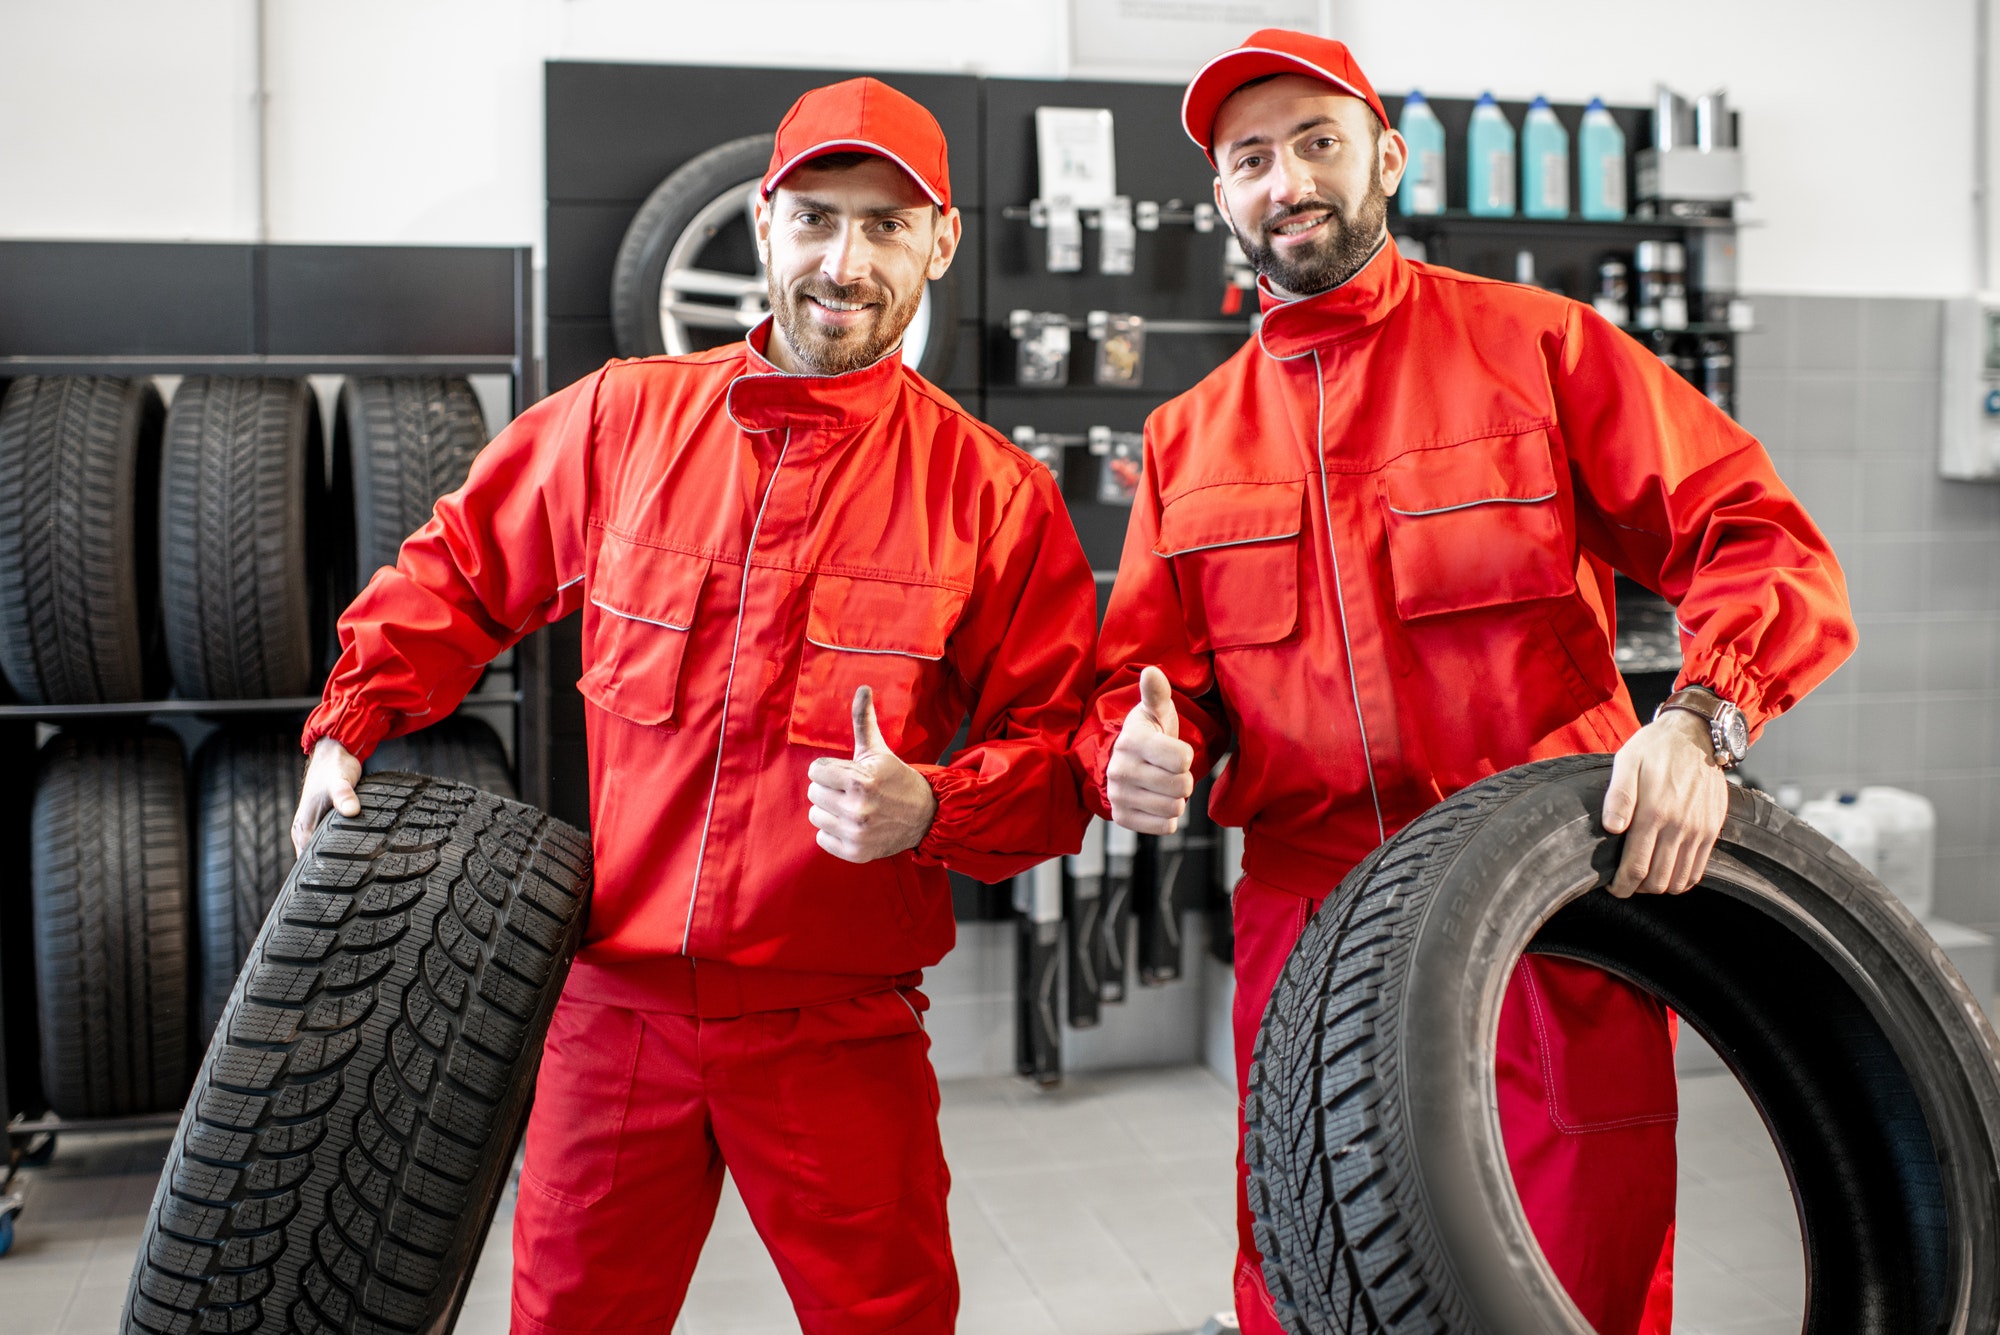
[1735,731]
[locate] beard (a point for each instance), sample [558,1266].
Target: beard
[836,350]
[1345,245]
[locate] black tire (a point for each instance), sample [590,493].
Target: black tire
[674,207]
[1379,1182]
[109,870]
[461,748]
[353,1124]
[243,474]
[408,440]
[79,489]
[246,787]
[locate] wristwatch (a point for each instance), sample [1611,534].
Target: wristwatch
[1727,728]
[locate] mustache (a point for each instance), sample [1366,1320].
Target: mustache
[861,293]
[1272,222]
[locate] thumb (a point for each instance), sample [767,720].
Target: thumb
[867,733]
[1622,797]
[345,800]
[1156,696]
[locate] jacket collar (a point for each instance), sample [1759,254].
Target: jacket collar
[764,398]
[1294,326]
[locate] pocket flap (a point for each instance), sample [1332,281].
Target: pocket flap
[1504,470]
[652,584]
[1228,513]
[879,616]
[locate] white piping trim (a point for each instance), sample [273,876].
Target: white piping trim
[634,616]
[1467,505]
[728,685]
[569,584]
[1236,542]
[866,146]
[1287,298]
[913,1010]
[851,649]
[1682,625]
[1208,150]
[1340,601]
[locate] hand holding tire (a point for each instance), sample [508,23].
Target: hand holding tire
[330,780]
[1151,774]
[1668,798]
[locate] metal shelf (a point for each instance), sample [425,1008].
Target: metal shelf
[290,704]
[1459,218]
[93,1126]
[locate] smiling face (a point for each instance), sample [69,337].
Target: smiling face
[848,246]
[1304,176]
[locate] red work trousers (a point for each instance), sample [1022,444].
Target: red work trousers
[1587,1114]
[825,1116]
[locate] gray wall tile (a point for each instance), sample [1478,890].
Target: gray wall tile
[1824,412]
[1962,814]
[1826,334]
[1819,737]
[1826,485]
[1965,573]
[1957,734]
[1769,346]
[1764,406]
[1967,505]
[1968,889]
[1898,417]
[1888,660]
[1884,574]
[1896,496]
[1901,337]
[1888,743]
[1958,656]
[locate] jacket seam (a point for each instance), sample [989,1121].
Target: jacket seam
[1233,542]
[856,649]
[1467,505]
[1556,1119]
[1214,482]
[728,687]
[634,616]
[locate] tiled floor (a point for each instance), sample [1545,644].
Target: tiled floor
[1101,1209]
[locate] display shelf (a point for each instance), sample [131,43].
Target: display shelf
[235,309]
[1460,219]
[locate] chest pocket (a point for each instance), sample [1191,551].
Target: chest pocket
[642,601]
[883,634]
[1476,525]
[1235,549]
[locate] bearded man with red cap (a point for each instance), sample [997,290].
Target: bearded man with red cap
[1372,561]
[800,567]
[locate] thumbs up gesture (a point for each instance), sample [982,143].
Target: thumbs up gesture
[873,806]
[1151,774]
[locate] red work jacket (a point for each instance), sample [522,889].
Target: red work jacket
[1373,552]
[748,548]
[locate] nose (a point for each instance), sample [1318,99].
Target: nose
[1292,181]
[846,259]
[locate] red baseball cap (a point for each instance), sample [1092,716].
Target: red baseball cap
[1270,51]
[863,116]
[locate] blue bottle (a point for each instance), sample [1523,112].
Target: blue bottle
[1423,180]
[1601,166]
[1544,163]
[1490,171]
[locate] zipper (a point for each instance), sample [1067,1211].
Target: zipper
[728,685]
[1339,598]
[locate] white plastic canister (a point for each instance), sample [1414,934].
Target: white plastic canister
[1906,844]
[1847,824]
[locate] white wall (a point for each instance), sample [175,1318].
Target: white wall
[420,120]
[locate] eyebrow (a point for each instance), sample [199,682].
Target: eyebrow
[810,204]
[1251,141]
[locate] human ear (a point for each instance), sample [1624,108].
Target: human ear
[1392,158]
[946,232]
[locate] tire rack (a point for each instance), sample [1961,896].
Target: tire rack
[278,310]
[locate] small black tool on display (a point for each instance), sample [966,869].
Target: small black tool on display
[1038,968]
[1121,848]
[1164,867]
[1083,906]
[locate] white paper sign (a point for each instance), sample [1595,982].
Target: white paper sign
[1073,146]
[1175,38]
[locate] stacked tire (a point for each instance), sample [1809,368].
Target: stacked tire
[203,548]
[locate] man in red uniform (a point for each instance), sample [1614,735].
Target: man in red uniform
[1372,560]
[800,567]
